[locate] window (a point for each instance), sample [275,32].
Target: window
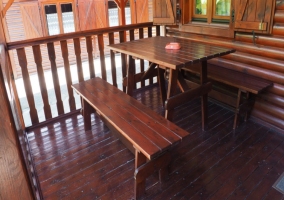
[59,18]
[211,10]
[216,17]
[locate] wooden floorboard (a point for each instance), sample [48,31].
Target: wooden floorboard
[216,164]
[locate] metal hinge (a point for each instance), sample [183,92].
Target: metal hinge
[233,15]
[12,76]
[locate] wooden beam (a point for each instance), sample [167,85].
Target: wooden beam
[7,6]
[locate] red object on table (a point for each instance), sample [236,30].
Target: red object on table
[173,45]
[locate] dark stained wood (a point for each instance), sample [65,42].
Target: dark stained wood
[14,180]
[89,44]
[123,57]
[102,56]
[42,83]
[153,50]
[142,66]
[214,164]
[55,38]
[27,83]
[97,93]
[77,49]
[112,61]
[55,78]
[64,50]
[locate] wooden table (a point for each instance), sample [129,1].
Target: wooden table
[153,50]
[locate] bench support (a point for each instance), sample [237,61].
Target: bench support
[159,164]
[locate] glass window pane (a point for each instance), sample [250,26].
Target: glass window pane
[52,19]
[200,7]
[223,7]
[67,18]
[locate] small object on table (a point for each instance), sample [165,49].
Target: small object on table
[173,45]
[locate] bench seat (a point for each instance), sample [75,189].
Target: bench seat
[147,134]
[248,85]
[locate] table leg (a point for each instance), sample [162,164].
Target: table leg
[87,115]
[173,77]
[161,79]
[130,76]
[139,185]
[204,98]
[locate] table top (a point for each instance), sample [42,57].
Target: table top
[153,50]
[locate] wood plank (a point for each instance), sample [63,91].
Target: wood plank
[42,82]
[65,54]
[112,61]
[102,56]
[123,57]
[77,49]
[142,66]
[89,44]
[55,78]
[27,83]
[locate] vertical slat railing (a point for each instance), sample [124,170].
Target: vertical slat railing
[123,57]
[102,56]
[89,44]
[77,49]
[142,65]
[65,54]
[150,35]
[53,55]
[27,83]
[112,60]
[42,83]
[55,78]
[131,59]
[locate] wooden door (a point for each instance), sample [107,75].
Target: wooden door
[139,11]
[92,14]
[254,15]
[31,20]
[164,12]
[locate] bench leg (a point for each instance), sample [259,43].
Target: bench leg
[139,185]
[87,110]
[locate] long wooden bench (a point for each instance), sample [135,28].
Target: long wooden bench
[147,134]
[248,87]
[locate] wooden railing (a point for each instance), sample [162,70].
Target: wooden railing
[118,34]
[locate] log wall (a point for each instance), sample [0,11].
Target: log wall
[264,58]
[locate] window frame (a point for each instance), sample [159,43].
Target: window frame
[58,3]
[188,24]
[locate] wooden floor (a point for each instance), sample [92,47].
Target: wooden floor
[217,164]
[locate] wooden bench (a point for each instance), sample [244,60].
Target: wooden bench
[147,134]
[248,86]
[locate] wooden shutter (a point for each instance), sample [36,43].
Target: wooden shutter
[31,20]
[254,15]
[92,14]
[139,11]
[164,12]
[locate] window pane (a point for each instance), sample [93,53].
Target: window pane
[67,18]
[52,19]
[200,7]
[223,7]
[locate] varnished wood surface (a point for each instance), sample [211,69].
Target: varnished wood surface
[237,79]
[148,132]
[216,164]
[153,50]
